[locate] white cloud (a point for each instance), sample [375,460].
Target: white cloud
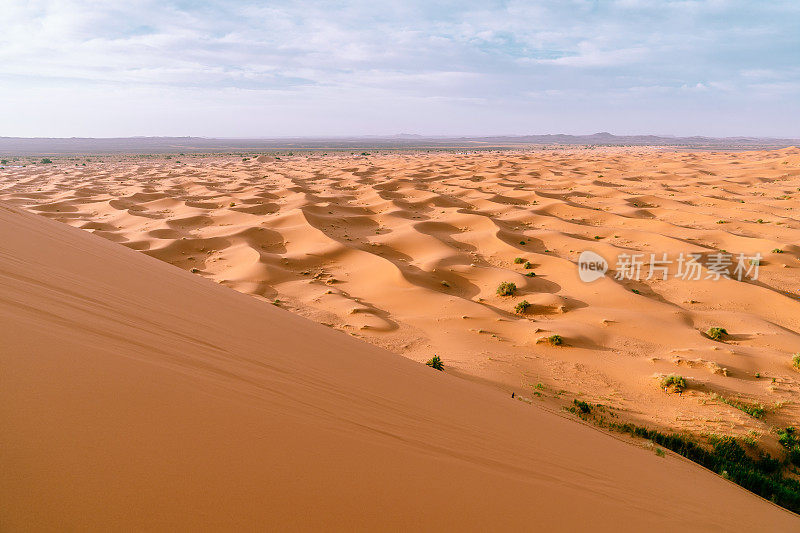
[520,59]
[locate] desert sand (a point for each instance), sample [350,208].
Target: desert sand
[144,395]
[406,251]
[136,396]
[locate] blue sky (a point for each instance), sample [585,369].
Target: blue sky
[239,69]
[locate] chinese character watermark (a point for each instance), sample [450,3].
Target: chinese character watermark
[685,266]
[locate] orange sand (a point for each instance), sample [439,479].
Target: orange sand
[138,397]
[364,244]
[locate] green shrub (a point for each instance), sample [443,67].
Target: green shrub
[3,161]
[789,439]
[726,456]
[518,260]
[555,340]
[45,161]
[674,382]
[528,265]
[583,406]
[796,361]
[777,251]
[506,288]
[522,307]
[435,362]
[531,274]
[717,333]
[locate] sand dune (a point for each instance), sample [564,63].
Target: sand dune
[406,250]
[136,396]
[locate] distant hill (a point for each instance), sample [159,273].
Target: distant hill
[78,145]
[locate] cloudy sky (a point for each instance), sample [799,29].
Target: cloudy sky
[237,69]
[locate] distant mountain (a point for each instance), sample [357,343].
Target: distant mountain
[78,145]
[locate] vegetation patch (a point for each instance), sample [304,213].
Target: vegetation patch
[756,410]
[796,361]
[584,407]
[789,439]
[507,288]
[552,340]
[518,260]
[522,307]
[435,362]
[673,383]
[717,333]
[762,475]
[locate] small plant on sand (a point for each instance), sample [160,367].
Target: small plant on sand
[717,333]
[507,288]
[518,260]
[522,307]
[531,274]
[528,265]
[555,340]
[45,161]
[435,362]
[796,361]
[673,382]
[3,161]
[777,251]
[585,407]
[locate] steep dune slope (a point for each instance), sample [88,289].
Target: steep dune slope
[138,396]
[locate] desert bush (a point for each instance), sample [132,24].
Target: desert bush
[45,161]
[435,362]
[507,288]
[673,381]
[531,274]
[796,361]
[585,407]
[717,333]
[555,340]
[522,307]
[518,260]
[528,265]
